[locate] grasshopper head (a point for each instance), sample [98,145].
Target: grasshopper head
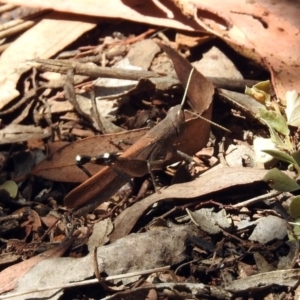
[177,118]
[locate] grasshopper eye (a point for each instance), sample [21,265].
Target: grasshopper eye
[82,159]
[181,116]
[106,155]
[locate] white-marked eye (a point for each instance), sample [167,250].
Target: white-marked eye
[106,155]
[78,158]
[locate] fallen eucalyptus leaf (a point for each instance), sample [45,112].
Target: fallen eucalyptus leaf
[262,264]
[136,252]
[279,181]
[213,181]
[262,281]
[15,133]
[61,165]
[99,237]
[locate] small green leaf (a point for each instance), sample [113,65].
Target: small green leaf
[295,207]
[274,119]
[296,157]
[280,181]
[11,187]
[295,234]
[281,156]
[275,137]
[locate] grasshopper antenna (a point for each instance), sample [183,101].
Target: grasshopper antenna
[196,114]
[187,87]
[209,121]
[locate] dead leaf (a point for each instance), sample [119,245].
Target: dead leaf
[61,165]
[269,228]
[215,63]
[210,182]
[142,53]
[143,12]
[210,221]
[251,29]
[43,40]
[200,90]
[99,237]
[155,248]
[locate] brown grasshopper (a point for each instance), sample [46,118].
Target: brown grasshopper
[155,145]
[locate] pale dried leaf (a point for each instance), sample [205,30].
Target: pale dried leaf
[210,221]
[43,40]
[212,181]
[262,281]
[136,252]
[99,237]
[144,12]
[269,228]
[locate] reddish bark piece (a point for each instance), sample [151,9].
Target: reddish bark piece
[254,29]
[10,276]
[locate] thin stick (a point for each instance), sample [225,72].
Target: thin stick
[96,112]
[257,199]
[62,66]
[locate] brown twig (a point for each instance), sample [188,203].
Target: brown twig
[62,66]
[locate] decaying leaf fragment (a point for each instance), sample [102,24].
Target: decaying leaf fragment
[209,221]
[269,228]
